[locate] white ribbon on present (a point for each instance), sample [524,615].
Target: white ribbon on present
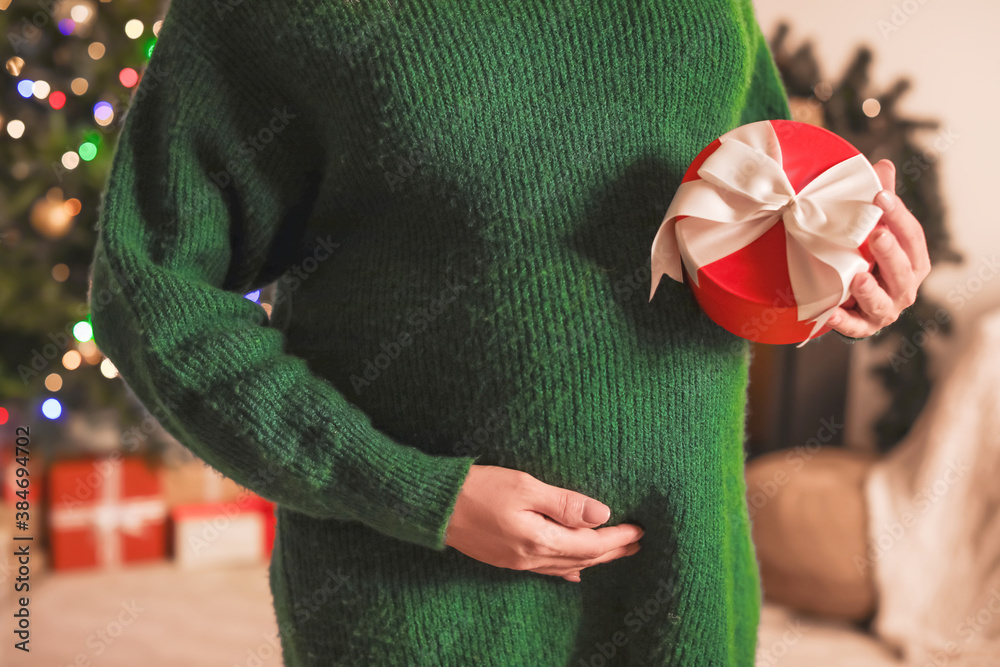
[111,516]
[743,191]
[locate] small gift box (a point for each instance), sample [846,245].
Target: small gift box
[218,534]
[104,512]
[770,225]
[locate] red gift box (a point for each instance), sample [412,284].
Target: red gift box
[211,534]
[104,512]
[769,226]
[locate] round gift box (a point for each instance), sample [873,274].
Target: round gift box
[749,292]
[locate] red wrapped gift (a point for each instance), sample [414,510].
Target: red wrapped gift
[104,512]
[213,534]
[266,508]
[769,226]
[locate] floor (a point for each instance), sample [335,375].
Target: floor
[158,615]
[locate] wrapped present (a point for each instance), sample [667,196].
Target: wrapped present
[193,482]
[218,534]
[769,226]
[104,512]
[267,509]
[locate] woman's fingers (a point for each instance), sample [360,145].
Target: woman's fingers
[567,567]
[556,540]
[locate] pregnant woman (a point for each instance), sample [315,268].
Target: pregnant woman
[462,403]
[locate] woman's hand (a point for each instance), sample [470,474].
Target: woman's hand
[508,518]
[901,264]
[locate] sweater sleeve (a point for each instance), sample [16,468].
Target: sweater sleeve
[207,181]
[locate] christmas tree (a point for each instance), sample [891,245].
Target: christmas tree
[70,71]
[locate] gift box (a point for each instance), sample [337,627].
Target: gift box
[768,227]
[193,482]
[218,534]
[104,512]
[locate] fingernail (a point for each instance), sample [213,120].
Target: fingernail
[834,320]
[882,240]
[595,512]
[884,200]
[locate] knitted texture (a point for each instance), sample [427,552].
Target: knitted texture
[456,201]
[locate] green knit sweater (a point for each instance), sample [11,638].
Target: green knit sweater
[457,201]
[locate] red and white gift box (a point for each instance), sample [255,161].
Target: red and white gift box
[769,226]
[104,512]
[218,534]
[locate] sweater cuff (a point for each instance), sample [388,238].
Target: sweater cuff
[419,490]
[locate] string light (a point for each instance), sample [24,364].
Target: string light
[70,160]
[103,111]
[253,296]
[15,129]
[128,77]
[60,272]
[4,416]
[40,89]
[134,28]
[52,408]
[82,331]
[90,353]
[57,100]
[67,26]
[24,88]
[79,86]
[53,382]
[71,360]
[156,28]
[14,66]
[95,51]
[108,369]
[871,107]
[73,206]
[80,13]
[88,151]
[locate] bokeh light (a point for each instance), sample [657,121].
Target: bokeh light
[128,77]
[60,273]
[24,87]
[103,110]
[108,369]
[82,331]
[871,107]
[67,26]
[40,89]
[71,360]
[134,29]
[14,65]
[95,51]
[79,86]
[88,151]
[53,382]
[52,408]
[15,129]
[57,99]
[70,160]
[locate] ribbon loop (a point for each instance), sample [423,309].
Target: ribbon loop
[743,191]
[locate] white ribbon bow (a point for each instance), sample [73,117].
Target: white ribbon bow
[743,192]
